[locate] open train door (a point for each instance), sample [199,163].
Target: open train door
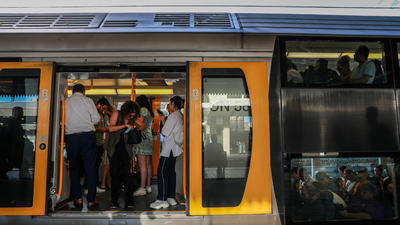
[228,138]
[25,111]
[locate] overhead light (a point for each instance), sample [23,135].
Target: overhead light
[146,91]
[128,82]
[326,55]
[97,92]
[370,56]
[170,82]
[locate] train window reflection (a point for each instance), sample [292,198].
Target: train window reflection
[343,189]
[227,123]
[19,91]
[334,62]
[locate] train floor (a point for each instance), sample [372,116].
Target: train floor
[141,204]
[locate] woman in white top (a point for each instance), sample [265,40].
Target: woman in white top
[349,186]
[166,176]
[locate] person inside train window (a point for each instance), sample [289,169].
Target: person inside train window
[388,186]
[341,173]
[364,73]
[305,178]
[321,74]
[363,177]
[365,206]
[380,78]
[343,67]
[330,200]
[350,183]
[331,184]
[293,76]
[377,180]
[294,180]
[144,150]
[313,209]
[214,156]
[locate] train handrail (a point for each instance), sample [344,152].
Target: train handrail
[184,148]
[61,173]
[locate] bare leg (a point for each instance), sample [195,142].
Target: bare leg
[143,170]
[149,170]
[105,171]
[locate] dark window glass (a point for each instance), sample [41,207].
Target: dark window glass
[227,126]
[19,91]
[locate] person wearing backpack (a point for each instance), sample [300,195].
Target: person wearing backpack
[171,149]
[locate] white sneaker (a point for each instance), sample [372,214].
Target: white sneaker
[98,191]
[159,204]
[171,201]
[148,190]
[140,192]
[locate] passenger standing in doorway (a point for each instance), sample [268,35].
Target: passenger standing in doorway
[80,117]
[120,153]
[166,176]
[102,105]
[144,150]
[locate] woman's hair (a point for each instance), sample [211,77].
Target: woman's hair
[351,174]
[130,107]
[142,101]
[386,183]
[344,61]
[178,101]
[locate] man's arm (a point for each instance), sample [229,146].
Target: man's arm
[362,80]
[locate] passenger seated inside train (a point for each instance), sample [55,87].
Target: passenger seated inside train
[359,198]
[320,74]
[365,206]
[292,75]
[364,72]
[330,184]
[313,209]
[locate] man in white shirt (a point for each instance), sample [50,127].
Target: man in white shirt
[80,116]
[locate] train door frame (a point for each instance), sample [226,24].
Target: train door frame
[260,159]
[43,138]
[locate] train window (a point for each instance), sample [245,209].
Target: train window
[19,91]
[342,188]
[330,63]
[227,126]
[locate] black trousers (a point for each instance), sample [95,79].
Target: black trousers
[166,177]
[120,161]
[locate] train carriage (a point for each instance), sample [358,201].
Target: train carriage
[231,69]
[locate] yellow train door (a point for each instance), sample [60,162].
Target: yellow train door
[25,100]
[228,148]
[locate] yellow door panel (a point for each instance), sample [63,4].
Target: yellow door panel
[25,114]
[229,138]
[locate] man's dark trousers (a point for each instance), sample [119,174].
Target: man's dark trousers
[84,144]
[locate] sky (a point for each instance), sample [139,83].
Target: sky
[337,7]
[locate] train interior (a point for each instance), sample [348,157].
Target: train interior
[117,87]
